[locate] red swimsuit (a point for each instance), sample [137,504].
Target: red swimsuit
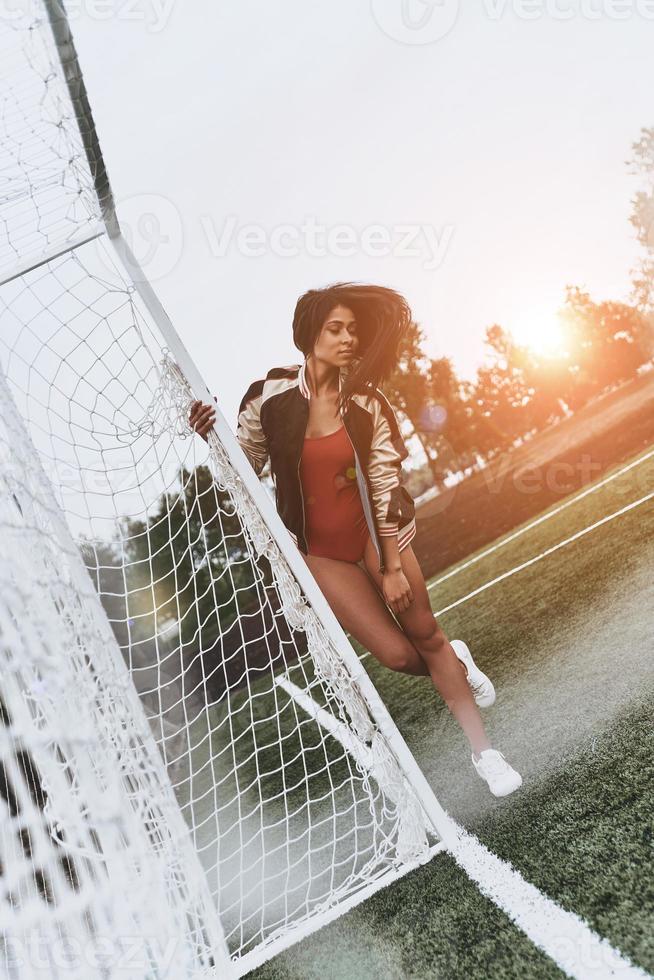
[335,523]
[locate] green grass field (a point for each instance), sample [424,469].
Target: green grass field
[568,643]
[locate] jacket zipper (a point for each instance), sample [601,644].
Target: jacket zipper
[299,481]
[372,519]
[359,468]
[304,542]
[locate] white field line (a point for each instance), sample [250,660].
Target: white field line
[541,520]
[531,561]
[544,554]
[563,936]
[333,725]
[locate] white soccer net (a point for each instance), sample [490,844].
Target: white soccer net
[97,875]
[267,790]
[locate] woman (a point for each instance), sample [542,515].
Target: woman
[335,453]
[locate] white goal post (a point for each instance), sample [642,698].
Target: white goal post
[192,752]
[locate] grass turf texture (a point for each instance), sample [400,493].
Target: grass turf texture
[522,483]
[568,645]
[586,849]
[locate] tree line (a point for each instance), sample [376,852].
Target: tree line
[520,391]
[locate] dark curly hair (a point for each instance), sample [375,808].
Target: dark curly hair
[383,317]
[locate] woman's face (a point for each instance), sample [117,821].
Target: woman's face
[338,340]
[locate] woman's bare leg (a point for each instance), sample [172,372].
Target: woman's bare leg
[361,611]
[423,631]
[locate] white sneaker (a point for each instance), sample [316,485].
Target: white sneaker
[481,685]
[493,767]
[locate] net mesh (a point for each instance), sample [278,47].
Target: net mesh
[287,796]
[93,852]
[46,184]
[213,627]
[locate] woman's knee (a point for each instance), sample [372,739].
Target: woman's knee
[407,660]
[426,635]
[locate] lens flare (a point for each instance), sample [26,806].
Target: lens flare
[543,333]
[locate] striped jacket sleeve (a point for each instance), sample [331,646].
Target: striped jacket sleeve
[387,451]
[249,433]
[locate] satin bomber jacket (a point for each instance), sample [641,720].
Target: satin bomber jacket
[272,422]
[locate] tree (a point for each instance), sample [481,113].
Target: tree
[186,601]
[642,219]
[545,377]
[188,563]
[608,342]
[449,418]
[407,387]
[501,391]
[428,394]
[168,684]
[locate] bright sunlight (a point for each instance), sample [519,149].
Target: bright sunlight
[544,333]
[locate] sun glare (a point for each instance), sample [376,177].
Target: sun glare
[543,333]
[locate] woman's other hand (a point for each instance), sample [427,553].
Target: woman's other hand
[397,591]
[202,418]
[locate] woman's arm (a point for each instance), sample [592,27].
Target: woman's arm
[395,585]
[387,451]
[249,433]
[202,418]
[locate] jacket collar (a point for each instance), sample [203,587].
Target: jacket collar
[302,381]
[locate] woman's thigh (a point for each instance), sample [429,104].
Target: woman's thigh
[418,621]
[361,611]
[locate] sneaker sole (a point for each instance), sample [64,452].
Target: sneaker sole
[506,792]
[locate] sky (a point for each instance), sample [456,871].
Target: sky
[473,158]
